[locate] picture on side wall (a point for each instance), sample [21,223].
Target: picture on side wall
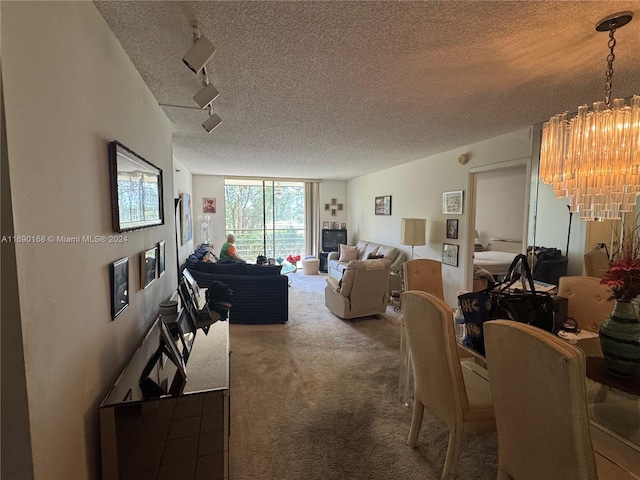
[452,203]
[186,223]
[148,266]
[161,258]
[325,224]
[343,226]
[119,286]
[335,225]
[208,205]
[383,205]
[450,254]
[327,207]
[452,228]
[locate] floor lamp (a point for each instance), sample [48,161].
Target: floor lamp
[413,232]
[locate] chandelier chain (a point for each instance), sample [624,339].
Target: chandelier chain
[610,58]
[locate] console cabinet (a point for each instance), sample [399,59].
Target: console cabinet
[167,416]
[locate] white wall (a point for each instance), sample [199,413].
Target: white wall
[210,186]
[183,183]
[500,204]
[416,189]
[330,189]
[70,89]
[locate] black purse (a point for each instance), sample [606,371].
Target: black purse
[526,306]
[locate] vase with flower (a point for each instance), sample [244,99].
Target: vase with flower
[620,332]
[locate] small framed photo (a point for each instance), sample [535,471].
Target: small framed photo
[327,207]
[119,286]
[333,212]
[335,225]
[334,201]
[452,203]
[340,206]
[148,266]
[450,254]
[325,224]
[383,205]
[452,228]
[343,226]
[208,205]
[161,258]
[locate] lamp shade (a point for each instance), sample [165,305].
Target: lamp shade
[413,231]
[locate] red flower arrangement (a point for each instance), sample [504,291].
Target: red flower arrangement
[623,277]
[293,259]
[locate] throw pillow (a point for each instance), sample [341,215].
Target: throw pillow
[348,253]
[209,258]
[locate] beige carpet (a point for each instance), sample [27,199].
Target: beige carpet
[318,399]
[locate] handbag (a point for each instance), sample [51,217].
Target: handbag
[477,308]
[525,306]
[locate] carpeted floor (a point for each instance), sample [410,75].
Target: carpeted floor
[317,398]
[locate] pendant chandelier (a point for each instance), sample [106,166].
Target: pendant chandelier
[593,159]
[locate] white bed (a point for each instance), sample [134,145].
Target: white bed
[498,260]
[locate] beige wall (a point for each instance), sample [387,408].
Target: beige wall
[69,90]
[210,186]
[183,183]
[416,189]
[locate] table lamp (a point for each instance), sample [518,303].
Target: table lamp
[413,232]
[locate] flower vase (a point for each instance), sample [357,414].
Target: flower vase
[620,340]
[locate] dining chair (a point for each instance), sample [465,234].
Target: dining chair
[456,392]
[539,396]
[588,302]
[425,275]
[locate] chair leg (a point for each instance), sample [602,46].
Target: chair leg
[453,453]
[416,422]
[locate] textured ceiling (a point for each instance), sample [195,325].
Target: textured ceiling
[335,89]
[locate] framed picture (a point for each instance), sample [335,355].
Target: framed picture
[208,205]
[186,220]
[327,207]
[136,190]
[383,205]
[148,264]
[161,258]
[450,254]
[452,228]
[340,206]
[335,225]
[343,226]
[325,225]
[333,212]
[119,286]
[334,201]
[172,348]
[452,203]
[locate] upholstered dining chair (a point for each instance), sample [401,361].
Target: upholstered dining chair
[425,275]
[587,302]
[539,396]
[456,392]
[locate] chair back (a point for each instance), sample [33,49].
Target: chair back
[587,301]
[438,379]
[424,275]
[539,393]
[596,263]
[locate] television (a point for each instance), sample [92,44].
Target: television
[332,238]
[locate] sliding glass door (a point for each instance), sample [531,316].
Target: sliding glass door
[266,216]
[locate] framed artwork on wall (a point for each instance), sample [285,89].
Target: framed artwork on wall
[450,254]
[343,226]
[383,205]
[452,203]
[325,224]
[327,207]
[186,219]
[452,228]
[335,225]
[161,258]
[148,266]
[119,286]
[208,205]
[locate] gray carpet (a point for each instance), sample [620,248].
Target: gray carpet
[318,399]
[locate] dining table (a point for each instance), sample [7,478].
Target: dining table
[613,406]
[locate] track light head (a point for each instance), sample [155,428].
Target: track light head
[205,96]
[199,54]
[212,122]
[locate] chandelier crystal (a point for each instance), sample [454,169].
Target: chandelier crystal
[593,158]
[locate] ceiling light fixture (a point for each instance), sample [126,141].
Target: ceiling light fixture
[593,159]
[200,53]
[205,96]
[212,122]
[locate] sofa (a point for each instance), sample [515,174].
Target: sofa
[362,291]
[366,250]
[260,292]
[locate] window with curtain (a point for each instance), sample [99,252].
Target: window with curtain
[267,217]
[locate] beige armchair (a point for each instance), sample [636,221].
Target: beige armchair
[587,302]
[362,291]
